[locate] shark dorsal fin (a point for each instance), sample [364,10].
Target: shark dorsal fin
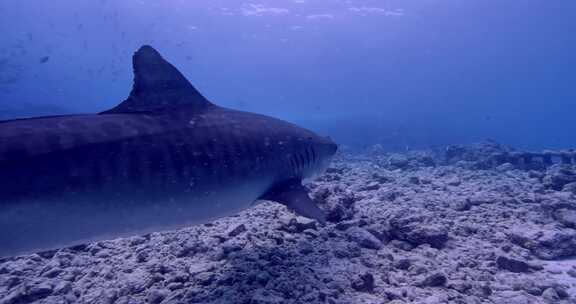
[158,86]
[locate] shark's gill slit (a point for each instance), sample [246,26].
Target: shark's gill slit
[295,159]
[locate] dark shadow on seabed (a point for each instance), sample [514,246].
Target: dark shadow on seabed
[265,267]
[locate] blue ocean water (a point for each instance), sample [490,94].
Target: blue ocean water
[402,73]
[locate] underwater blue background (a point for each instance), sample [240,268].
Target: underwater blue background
[403,73]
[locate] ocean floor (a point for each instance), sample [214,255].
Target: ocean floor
[445,226]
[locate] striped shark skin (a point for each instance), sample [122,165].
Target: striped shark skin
[164,158]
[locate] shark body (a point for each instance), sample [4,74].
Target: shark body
[164,158]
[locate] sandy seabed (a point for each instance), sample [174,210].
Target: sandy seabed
[445,226]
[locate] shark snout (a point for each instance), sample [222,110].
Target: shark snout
[326,148]
[328,145]
[332,146]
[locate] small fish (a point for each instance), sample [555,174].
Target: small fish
[44,59]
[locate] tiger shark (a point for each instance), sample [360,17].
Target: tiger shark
[164,158]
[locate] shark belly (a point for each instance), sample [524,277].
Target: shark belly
[38,224]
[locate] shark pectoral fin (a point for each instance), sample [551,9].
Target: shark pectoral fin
[294,196]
